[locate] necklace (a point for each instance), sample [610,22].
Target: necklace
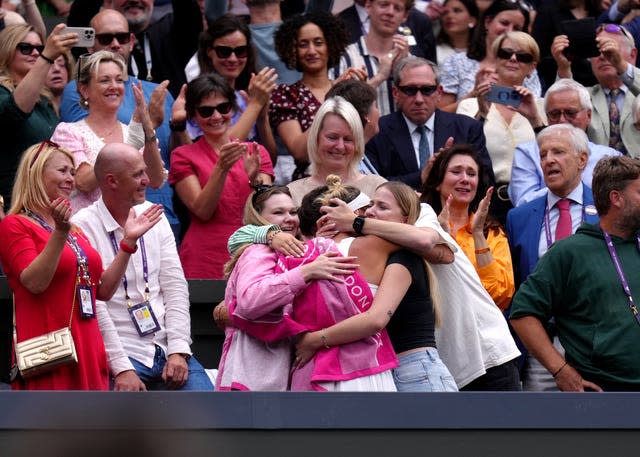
[106,135]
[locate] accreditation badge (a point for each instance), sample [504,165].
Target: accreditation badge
[144,319]
[85,298]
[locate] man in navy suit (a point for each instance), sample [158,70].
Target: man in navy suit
[532,227]
[411,135]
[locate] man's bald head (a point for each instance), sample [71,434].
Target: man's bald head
[113,159]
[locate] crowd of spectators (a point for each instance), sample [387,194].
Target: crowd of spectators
[444,173]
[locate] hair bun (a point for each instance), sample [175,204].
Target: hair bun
[333,181]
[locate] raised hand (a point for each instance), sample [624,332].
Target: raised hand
[357,73]
[251,160]
[61,213]
[444,215]
[480,216]
[261,85]
[230,153]
[136,226]
[559,44]
[178,111]
[156,103]
[59,43]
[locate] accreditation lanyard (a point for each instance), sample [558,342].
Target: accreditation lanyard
[145,270]
[623,281]
[547,223]
[147,60]
[81,256]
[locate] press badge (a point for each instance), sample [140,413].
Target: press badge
[144,319]
[86,302]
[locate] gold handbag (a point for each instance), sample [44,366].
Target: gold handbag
[43,353]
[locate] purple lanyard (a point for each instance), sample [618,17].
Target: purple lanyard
[81,257]
[145,269]
[616,262]
[547,223]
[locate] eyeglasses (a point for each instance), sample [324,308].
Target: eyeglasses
[105,39]
[43,144]
[224,52]
[27,48]
[615,28]
[411,91]
[522,57]
[569,114]
[207,111]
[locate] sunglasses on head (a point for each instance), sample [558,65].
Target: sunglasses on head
[224,52]
[207,111]
[522,57]
[413,90]
[105,39]
[614,28]
[27,48]
[43,144]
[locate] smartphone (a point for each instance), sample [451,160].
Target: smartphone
[86,36]
[582,38]
[504,95]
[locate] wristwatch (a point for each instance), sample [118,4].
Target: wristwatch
[358,224]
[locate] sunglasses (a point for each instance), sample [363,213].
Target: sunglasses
[43,144]
[569,114]
[524,5]
[522,57]
[224,52]
[207,111]
[413,90]
[614,28]
[105,39]
[27,48]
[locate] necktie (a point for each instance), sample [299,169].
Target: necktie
[615,140]
[423,146]
[564,227]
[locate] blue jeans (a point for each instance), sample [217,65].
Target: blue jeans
[423,372]
[152,377]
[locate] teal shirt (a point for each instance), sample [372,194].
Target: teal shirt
[18,131]
[577,284]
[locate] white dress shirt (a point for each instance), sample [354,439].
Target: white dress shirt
[415,136]
[169,294]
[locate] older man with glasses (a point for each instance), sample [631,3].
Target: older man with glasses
[566,102]
[409,137]
[618,84]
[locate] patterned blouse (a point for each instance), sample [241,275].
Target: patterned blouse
[293,102]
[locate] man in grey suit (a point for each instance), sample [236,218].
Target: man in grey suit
[612,121]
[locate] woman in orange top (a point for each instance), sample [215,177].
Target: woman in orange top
[456,189]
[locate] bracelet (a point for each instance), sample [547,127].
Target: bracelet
[560,369]
[270,236]
[178,126]
[128,249]
[482,251]
[150,139]
[323,340]
[46,59]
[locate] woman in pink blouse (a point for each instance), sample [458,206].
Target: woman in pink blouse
[213,177]
[101,87]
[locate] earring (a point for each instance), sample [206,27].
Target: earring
[84,103]
[471,25]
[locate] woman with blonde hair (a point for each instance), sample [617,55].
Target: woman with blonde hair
[336,147]
[505,126]
[255,293]
[27,111]
[101,88]
[54,272]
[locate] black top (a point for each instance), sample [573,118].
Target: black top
[413,324]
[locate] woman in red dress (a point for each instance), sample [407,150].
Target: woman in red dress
[47,260]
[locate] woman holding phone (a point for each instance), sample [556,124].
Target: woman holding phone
[511,113]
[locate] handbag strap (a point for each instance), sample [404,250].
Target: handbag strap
[13,297]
